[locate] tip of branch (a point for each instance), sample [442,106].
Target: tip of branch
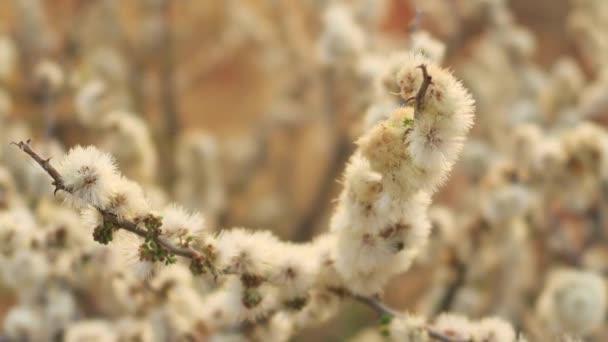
[427,80]
[21,144]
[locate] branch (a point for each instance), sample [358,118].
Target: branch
[186,252]
[384,310]
[427,80]
[459,280]
[45,164]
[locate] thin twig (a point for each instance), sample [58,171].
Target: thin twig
[168,92]
[427,80]
[45,164]
[384,310]
[459,280]
[186,252]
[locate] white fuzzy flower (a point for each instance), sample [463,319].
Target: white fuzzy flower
[128,138]
[128,200]
[506,202]
[342,39]
[233,303]
[455,326]
[379,240]
[50,74]
[425,44]
[321,306]
[573,302]
[184,309]
[295,270]
[25,270]
[325,247]
[91,218]
[381,221]
[61,308]
[446,116]
[179,223]
[279,328]
[133,329]
[408,328]
[494,330]
[87,100]
[23,323]
[89,330]
[127,245]
[247,252]
[200,180]
[90,175]
[14,235]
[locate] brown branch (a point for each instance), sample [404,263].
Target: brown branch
[459,280]
[45,164]
[186,252]
[427,80]
[384,310]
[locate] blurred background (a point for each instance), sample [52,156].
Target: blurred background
[247,110]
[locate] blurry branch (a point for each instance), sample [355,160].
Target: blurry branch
[416,22]
[304,228]
[169,103]
[47,102]
[385,311]
[167,74]
[460,267]
[458,281]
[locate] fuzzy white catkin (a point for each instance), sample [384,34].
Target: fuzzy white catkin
[279,329]
[425,44]
[88,101]
[381,220]
[128,200]
[409,328]
[447,115]
[295,270]
[200,180]
[573,302]
[342,39]
[127,137]
[90,174]
[225,307]
[23,323]
[127,247]
[49,74]
[494,330]
[90,330]
[239,251]
[179,223]
[455,326]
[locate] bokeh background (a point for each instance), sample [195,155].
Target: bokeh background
[234,108]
